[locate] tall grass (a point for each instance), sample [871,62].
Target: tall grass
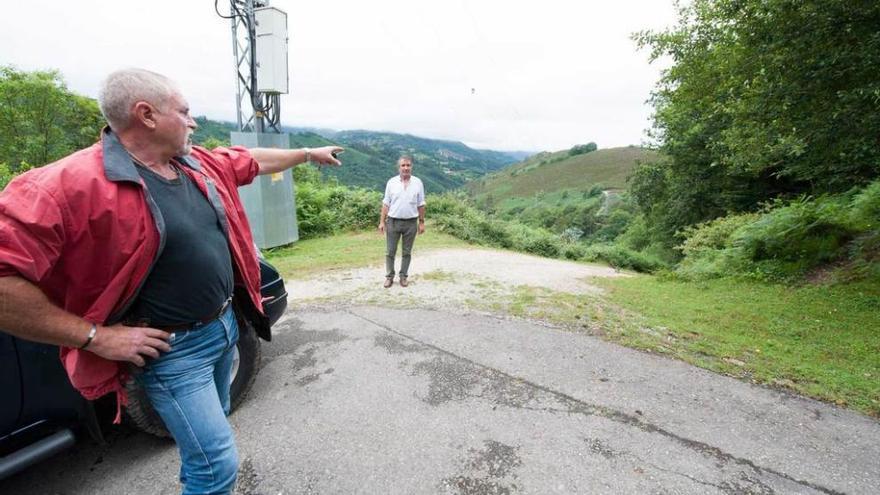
[788,239]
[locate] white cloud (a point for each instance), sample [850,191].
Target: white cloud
[494,74]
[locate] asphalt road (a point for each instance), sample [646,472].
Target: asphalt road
[380,401]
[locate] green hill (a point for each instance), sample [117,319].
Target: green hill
[370,157]
[440,164]
[548,173]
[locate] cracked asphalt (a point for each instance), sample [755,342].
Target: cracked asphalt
[410,401]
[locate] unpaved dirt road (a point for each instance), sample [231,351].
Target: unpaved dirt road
[425,390]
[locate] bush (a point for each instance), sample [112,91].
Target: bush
[713,235]
[865,256]
[572,234]
[536,241]
[452,214]
[581,149]
[792,238]
[788,239]
[7,173]
[865,212]
[325,208]
[621,257]
[613,225]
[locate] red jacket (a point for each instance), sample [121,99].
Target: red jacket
[86,231]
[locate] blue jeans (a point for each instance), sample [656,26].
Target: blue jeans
[189,388]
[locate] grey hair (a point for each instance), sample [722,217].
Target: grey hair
[123,88]
[404,157]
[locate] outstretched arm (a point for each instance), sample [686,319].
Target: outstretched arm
[273,160]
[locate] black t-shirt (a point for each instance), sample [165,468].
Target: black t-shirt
[193,275]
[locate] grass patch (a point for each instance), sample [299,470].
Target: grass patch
[438,276]
[348,250]
[822,341]
[535,303]
[543,304]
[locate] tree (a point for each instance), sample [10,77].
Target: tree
[41,120]
[581,149]
[764,98]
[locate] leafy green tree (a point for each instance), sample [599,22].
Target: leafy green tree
[211,132]
[581,149]
[41,120]
[7,174]
[764,99]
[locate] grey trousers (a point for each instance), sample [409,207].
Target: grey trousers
[396,228]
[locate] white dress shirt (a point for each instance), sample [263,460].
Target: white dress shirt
[404,202]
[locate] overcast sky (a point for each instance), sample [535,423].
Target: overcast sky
[506,75]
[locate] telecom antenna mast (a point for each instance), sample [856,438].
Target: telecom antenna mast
[259,45]
[259,48]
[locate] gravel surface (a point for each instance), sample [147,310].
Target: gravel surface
[450,279]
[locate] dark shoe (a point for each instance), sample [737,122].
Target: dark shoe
[403,282]
[388,282]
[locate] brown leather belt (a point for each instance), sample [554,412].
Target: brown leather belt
[180,327]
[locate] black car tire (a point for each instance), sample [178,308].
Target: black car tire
[141,414]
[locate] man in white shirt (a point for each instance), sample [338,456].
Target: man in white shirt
[403,215]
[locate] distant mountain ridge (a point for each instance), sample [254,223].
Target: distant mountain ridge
[371,157]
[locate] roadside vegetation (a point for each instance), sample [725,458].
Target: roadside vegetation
[819,340]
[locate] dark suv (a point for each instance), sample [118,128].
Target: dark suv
[40,411]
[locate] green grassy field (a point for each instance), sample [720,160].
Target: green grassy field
[822,341]
[557,171]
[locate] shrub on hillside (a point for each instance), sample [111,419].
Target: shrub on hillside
[865,212]
[864,251]
[582,149]
[612,225]
[788,239]
[707,247]
[535,241]
[449,203]
[573,251]
[596,190]
[792,238]
[7,173]
[452,214]
[325,207]
[359,208]
[621,257]
[637,235]
[713,235]
[572,234]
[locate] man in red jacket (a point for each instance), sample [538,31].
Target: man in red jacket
[130,251]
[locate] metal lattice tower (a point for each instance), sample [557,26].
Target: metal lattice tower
[257,112]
